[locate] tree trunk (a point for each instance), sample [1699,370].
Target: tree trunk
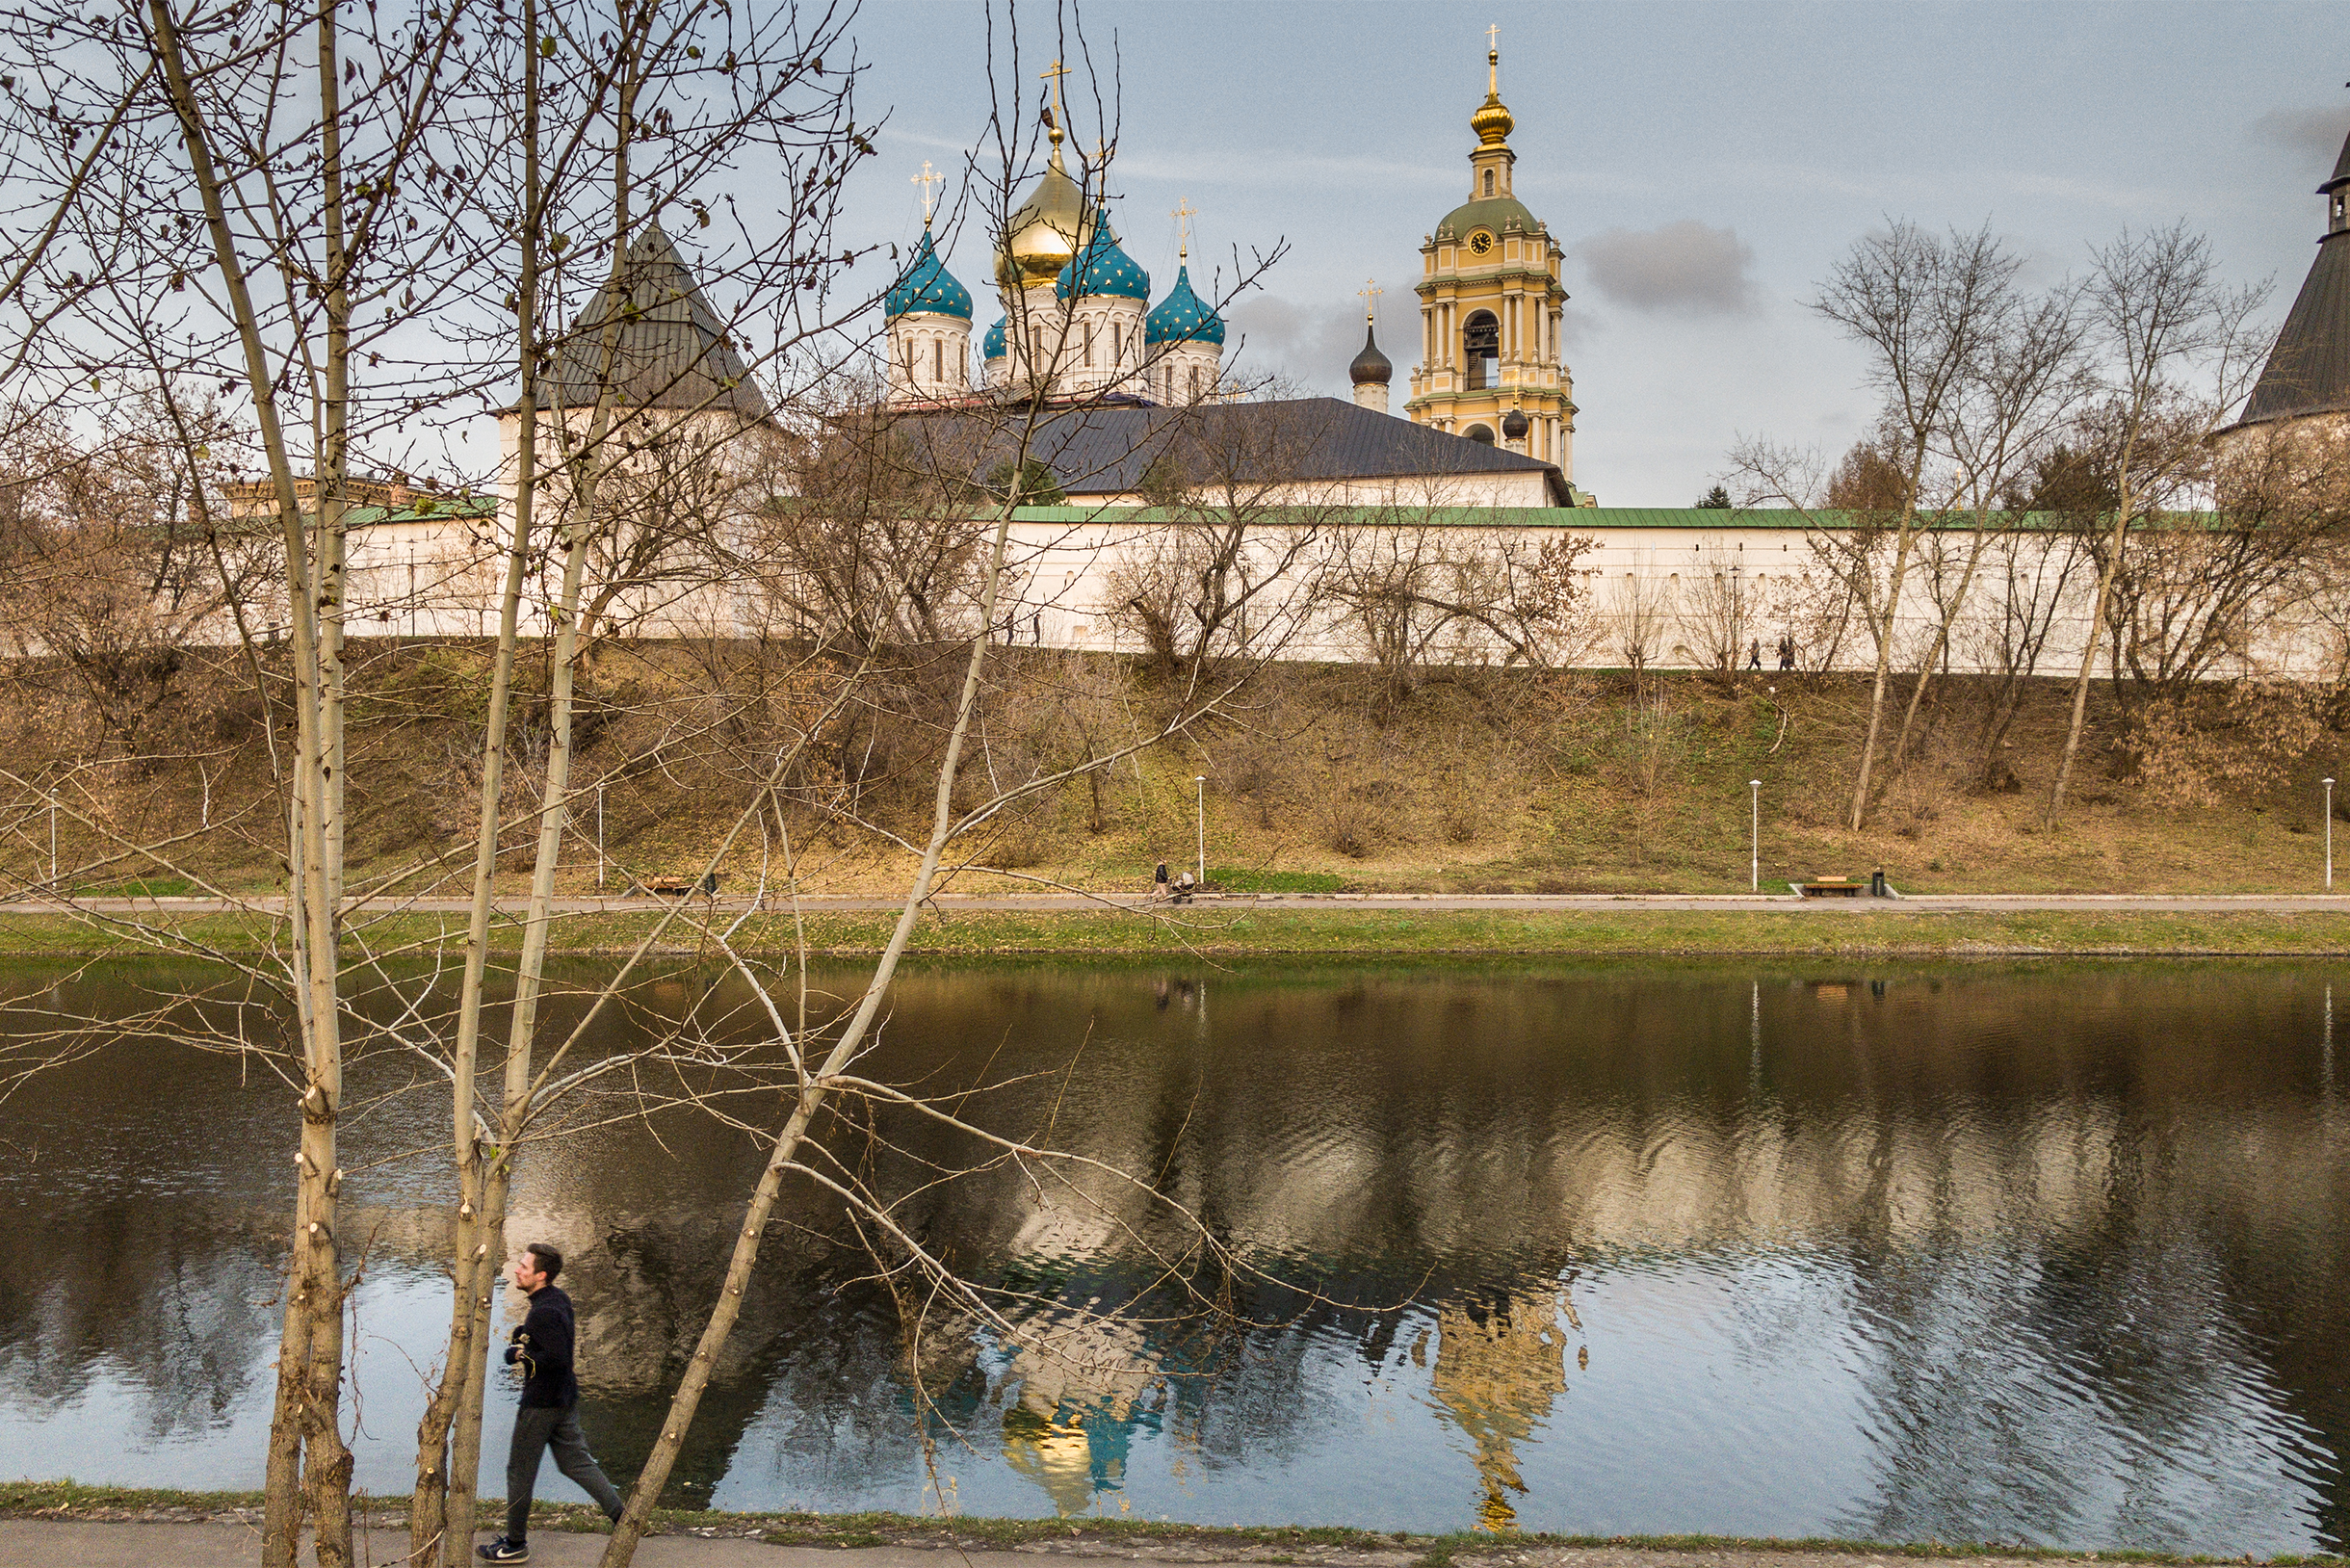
[2088,651]
[621,1549]
[305,1422]
[441,1508]
[1885,654]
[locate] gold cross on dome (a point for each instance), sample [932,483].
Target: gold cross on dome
[1370,292]
[1492,38]
[926,179]
[1182,215]
[1053,73]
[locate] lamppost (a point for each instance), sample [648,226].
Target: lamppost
[1754,798]
[1199,784]
[599,835]
[2329,783]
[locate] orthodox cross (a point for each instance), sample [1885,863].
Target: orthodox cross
[1053,73]
[1182,215]
[925,179]
[1370,292]
[1493,60]
[1492,38]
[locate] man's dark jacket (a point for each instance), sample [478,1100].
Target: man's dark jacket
[543,1349]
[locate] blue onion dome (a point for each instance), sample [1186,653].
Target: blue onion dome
[1100,269]
[1183,317]
[991,347]
[927,288]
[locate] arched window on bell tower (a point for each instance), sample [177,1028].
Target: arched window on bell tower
[1481,350]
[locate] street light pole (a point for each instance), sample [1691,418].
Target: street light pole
[2329,835]
[599,835]
[1754,798]
[1199,785]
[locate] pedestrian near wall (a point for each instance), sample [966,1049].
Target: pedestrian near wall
[541,1348]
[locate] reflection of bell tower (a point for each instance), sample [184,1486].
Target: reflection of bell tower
[1501,1361]
[1489,311]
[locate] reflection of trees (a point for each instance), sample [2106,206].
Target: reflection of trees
[2062,1211]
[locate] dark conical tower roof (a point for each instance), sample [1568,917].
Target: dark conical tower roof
[1371,365]
[671,351]
[2308,370]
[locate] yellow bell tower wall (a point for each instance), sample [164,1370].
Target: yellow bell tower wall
[1490,302]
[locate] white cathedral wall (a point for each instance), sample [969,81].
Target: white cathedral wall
[438,576]
[1072,575]
[929,356]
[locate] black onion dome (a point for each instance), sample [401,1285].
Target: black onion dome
[1514,423]
[1371,365]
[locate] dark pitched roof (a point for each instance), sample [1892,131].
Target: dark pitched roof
[673,351]
[1102,451]
[2308,371]
[2341,169]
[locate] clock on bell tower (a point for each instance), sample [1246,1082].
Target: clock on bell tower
[1490,298]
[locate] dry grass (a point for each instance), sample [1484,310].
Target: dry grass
[1485,781]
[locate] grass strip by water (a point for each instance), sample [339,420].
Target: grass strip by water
[1082,1537]
[1212,933]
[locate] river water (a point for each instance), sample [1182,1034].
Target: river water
[2053,1253]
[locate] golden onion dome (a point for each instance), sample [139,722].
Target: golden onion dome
[1047,230]
[1491,121]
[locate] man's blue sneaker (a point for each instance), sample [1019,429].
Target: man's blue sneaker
[503,1550]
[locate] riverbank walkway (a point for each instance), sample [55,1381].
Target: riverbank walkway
[1778,903]
[108,1544]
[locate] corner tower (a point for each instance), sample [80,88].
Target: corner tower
[1489,307]
[2306,385]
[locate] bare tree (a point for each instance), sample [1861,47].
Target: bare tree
[106,577]
[1922,306]
[1227,561]
[1717,609]
[1419,594]
[1640,615]
[2176,352]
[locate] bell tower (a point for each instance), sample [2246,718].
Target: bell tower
[1490,299]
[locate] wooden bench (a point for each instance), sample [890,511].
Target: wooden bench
[1833,887]
[678,887]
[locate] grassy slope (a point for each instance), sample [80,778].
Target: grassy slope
[1487,782]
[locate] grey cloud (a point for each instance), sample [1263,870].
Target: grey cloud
[1683,269]
[1309,343]
[2317,133]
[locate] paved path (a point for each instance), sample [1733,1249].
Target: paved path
[1425,902]
[82,1543]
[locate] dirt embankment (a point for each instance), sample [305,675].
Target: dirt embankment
[1480,781]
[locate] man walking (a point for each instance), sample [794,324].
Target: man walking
[549,1415]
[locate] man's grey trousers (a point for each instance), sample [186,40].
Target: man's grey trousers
[538,1429]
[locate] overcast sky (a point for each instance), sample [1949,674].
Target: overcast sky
[1702,164]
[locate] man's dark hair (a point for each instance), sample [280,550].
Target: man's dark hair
[550,1257]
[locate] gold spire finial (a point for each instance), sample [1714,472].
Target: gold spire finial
[1370,292]
[1182,215]
[1053,73]
[926,179]
[1491,121]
